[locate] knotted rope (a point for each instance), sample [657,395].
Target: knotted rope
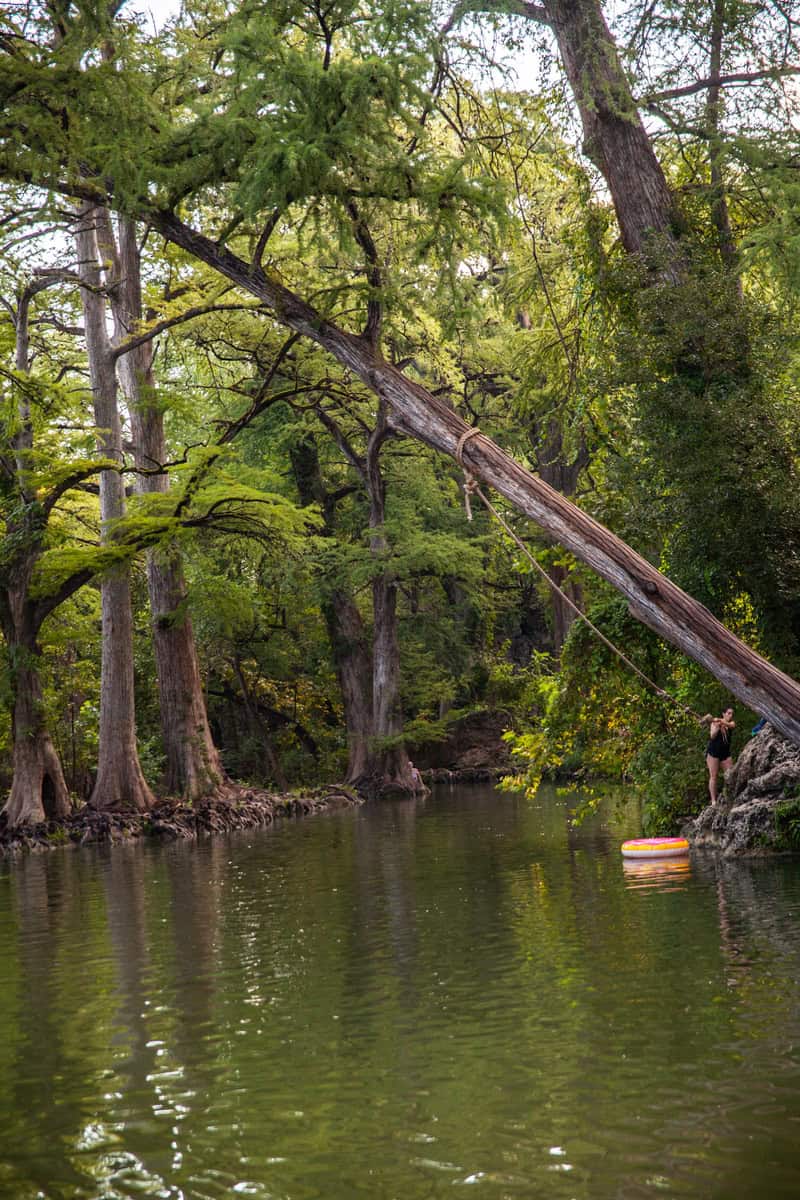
[472,488]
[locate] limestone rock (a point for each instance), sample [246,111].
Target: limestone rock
[473,743]
[755,813]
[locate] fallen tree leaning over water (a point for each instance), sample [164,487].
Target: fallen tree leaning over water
[651,597]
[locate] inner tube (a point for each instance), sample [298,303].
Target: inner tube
[655,848]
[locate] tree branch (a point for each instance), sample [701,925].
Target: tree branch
[356,460]
[199,310]
[71,481]
[701,85]
[511,8]
[372,329]
[266,234]
[72,584]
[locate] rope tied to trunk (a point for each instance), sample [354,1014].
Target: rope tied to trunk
[472,488]
[470,482]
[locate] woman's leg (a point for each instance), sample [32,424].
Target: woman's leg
[713,772]
[727,765]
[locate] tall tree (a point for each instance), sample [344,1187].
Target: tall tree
[346,629]
[689,336]
[120,782]
[387,766]
[38,789]
[351,152]
[193,765]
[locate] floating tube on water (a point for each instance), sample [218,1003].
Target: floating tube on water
[655,848]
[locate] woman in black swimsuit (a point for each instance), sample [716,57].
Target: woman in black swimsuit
[718,750]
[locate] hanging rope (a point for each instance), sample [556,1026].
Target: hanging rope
[472,488]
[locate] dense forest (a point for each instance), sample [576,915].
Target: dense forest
[263,270]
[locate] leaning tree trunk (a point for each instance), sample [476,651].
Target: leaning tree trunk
[193,765]
[652,598]
[38,788]
[120,783]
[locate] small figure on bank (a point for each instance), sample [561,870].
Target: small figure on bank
[718,750]
[416,778]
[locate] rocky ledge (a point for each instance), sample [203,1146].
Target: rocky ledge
[239,808]
[472,752]
[759,810]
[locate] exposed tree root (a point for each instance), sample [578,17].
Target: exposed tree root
[230,809]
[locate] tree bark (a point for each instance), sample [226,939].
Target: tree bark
[720,214]
[559,473]
[351,658]
[394,769]
[652,598]
[614,137]
[38,789]
[194,768]
[120,783]
[344,623]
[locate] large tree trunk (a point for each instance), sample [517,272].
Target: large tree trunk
[346,632]
[351,658]
[614,136]
[194,768]
[38,789]
[394,771]
[193,765]
[120,783]
[652,598]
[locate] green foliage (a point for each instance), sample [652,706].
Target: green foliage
[669,410]
[596,718]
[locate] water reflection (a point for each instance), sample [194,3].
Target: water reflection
[395,1001]
[665,874]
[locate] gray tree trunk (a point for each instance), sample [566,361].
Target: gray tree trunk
[392,763]
[351,656]
[120,783]
[194,768]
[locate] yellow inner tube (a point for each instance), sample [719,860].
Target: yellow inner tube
[655,847]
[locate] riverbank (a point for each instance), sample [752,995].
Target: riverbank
[242,808]
[758,812]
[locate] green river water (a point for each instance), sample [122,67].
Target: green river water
[409,1001]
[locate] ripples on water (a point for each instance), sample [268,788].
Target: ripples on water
[397,1002]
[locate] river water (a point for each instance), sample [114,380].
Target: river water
[408,1001]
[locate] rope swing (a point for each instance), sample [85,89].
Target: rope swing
[473,488]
